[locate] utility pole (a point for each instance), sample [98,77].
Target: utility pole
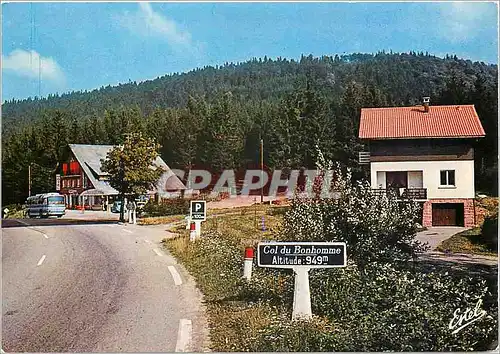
[29,180]
[262,170]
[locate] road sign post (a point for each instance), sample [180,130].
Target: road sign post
[198,213]
[301,294]
[301,257]
[197,225]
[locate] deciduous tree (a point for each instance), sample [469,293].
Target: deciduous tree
[131,166]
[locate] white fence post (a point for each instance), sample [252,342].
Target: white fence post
[198,228]
[192,233]
[248,263]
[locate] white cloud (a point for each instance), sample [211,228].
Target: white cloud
[30,64]
[464,20]
[148,23]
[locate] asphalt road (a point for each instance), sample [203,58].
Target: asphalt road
[99,287]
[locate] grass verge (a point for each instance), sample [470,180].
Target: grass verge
[156,220]
[235,313]
[468,241]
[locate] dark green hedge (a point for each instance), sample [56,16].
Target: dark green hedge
[489,231]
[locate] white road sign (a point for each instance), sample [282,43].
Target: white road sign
[58,182]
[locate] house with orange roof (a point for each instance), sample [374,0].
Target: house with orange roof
[425,153]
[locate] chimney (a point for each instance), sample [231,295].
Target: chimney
[426,104]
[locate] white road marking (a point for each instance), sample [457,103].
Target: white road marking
[41,260]
[125,230]
[184,335]
[175,275]
[158,252]
[35,229]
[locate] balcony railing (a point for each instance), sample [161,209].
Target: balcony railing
[403,193]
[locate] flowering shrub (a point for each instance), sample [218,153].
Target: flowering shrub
[375,228]
[385,309]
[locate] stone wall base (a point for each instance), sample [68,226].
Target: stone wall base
[468,210]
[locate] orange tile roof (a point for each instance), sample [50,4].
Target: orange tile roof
[412,122]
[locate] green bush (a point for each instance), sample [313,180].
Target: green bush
[388,309]
[375,228]
[13,207]
[273,286]
[15,211]
[174,206]
[385,309]
[489,231]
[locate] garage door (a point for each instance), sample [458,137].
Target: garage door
[447,214]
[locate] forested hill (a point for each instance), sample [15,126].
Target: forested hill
[215,115]
[402,78]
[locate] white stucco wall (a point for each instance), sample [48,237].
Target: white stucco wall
[464,176]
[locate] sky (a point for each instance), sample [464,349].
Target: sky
[50,47]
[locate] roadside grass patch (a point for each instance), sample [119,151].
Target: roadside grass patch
[236,328]
[160,220]
[259,208]
[237,310]
[468,241]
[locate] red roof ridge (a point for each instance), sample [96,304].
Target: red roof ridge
[407,122]
[419,105]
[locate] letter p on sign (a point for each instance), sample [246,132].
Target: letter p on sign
[198,210]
